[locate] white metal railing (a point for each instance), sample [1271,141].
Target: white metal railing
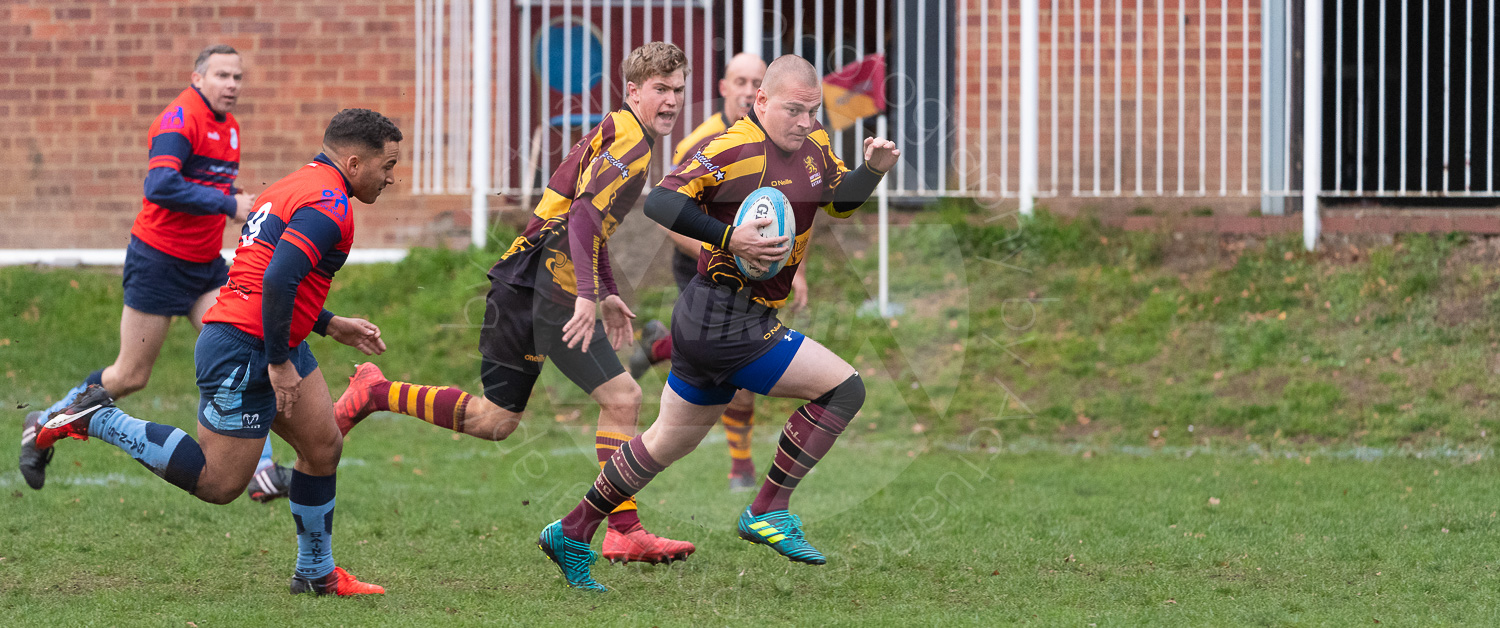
[1113,99]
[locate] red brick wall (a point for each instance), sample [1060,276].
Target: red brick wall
[81,80]
[1137,25]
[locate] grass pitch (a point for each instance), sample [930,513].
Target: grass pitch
[1069,425]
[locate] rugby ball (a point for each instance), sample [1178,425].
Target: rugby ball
[767,203]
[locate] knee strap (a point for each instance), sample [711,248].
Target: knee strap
[842,403]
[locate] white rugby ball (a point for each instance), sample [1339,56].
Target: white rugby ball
[767,203]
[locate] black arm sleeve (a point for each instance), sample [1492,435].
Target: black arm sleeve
[855,189]
[279,296]
[680,213]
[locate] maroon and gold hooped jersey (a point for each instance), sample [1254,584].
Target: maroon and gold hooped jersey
[741,160]
[563,253]
[213,161]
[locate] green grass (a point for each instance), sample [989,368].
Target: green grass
[974,538]
[1045,427]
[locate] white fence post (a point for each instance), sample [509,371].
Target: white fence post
[479,153]
[753,35]
[1029,104]
[1312,109]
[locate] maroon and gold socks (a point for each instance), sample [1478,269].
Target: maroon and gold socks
[807,437]
[737,427]
[442,406]
[624,518]
[625,473]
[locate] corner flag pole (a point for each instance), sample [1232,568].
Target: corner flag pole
[479,156]
[884,302]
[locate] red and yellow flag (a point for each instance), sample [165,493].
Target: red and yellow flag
[855,91]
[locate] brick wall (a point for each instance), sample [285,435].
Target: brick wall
[81,80]
[1221,64]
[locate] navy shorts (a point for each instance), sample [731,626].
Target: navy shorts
[723,341]
[157,283]
[235,397]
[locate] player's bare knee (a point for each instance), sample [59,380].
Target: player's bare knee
[621,399]
[217,493]
[619,393]
[499,427]
[128,381]
[321,455]
[492,422]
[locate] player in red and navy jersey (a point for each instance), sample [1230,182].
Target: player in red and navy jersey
[544,292]
[256,372]
[172,266]
[725,331]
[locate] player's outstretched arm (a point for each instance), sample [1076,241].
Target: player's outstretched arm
[856,187]
[356,332]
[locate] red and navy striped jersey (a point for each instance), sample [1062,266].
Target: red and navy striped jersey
[593,189]
[309,209]
[188,137]
[737,162]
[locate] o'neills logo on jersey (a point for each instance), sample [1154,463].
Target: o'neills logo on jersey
[619,165]
[708,165]
[781,182]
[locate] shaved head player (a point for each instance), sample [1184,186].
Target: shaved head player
[725,331]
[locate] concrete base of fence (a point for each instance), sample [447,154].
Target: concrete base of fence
[1334,221]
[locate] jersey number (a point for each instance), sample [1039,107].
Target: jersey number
[252,226]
